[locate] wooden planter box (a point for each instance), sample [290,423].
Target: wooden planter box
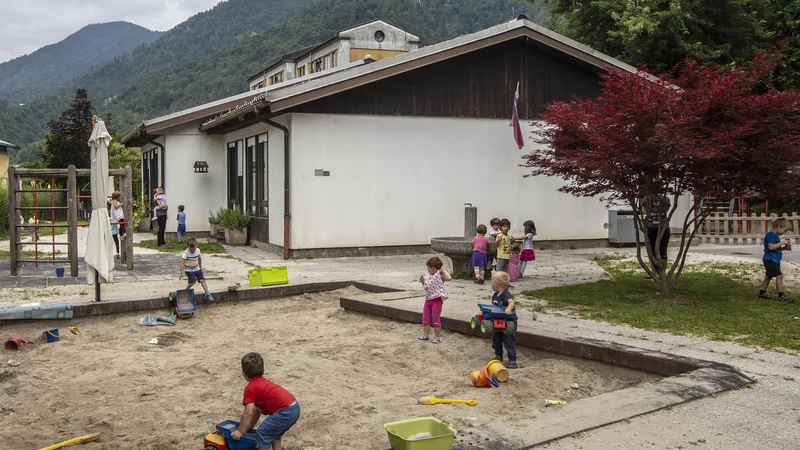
[235,236]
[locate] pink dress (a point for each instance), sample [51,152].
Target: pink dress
[513,267]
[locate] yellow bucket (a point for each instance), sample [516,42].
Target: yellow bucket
[497,369]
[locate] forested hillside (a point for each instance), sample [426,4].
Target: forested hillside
[225,72]
[221,27]
[47,69]
[210,56]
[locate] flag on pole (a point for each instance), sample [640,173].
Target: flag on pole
[515,121]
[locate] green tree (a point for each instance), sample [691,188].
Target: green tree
[119,156]
[657,34]
[68,141]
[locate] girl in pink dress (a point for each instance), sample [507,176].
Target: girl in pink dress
[513,263]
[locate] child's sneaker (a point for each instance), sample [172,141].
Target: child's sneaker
[764,296]
[436,340]
[512,364]
[785,299]
[423,338]
[207,297]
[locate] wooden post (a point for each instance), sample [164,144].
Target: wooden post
[72,220]
[13,219]
[127,193]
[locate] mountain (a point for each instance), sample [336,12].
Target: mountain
[47,69]
[216,29]
[209,56]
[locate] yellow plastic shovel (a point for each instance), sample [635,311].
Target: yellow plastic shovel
[77,440]
[434,401]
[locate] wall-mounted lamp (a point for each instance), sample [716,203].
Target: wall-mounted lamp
[200,167]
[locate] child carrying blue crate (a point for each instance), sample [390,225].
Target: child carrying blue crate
[262,396]
[192,267]
[504,338]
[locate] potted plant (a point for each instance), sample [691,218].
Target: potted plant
[235,222]
[213,223]
[141,215]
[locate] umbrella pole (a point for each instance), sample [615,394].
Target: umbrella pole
[96,286]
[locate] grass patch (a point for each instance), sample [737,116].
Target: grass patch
[173,246]
[711,301]
[5,255]
[463,276]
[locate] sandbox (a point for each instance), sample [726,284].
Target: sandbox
[351,373]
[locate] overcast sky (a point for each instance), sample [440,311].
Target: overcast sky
[26,26]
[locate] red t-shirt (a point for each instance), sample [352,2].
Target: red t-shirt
[268,397]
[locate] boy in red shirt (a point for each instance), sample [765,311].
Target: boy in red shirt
[262,396]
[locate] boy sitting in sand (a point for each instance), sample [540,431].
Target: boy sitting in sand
[262,396]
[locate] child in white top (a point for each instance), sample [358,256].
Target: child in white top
[192,267]
[527,246]
[435,295]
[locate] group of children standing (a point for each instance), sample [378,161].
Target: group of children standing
[512,257]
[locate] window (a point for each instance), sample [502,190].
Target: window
[257,180]
[316,65]
[379,36]
[262,150]
[277,78]
[333,58]
[301,71]
[252,176]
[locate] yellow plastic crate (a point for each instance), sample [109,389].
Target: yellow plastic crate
[441,432]
[268,276]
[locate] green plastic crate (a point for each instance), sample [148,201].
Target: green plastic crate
[268,276]
[442,434]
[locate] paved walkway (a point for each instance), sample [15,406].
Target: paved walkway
[763,417]
[148,267]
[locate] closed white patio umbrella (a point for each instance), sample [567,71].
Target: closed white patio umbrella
[100,248]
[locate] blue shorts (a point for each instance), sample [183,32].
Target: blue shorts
[275,425]
[181,230]
[195,276]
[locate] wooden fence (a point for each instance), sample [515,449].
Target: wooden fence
[720,228]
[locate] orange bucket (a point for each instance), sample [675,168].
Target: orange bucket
[482,378]
[498,370]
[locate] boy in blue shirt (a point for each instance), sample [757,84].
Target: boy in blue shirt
[181,224]
[773,252]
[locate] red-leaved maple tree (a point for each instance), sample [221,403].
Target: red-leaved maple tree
[692,132]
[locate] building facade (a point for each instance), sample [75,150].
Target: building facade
[376,39]
[381,156]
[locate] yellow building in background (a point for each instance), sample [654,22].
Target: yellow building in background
[4,147]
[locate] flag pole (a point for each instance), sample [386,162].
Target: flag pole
[96,273]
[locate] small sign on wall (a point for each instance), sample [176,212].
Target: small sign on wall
[322,173]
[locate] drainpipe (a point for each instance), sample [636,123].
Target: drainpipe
[144,137]
[287,217]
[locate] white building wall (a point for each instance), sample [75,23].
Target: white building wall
[404,180]
[197,192]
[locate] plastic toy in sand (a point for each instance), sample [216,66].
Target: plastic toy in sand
[482,378]
[183,303]
[221,439]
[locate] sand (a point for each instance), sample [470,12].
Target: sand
[350,372]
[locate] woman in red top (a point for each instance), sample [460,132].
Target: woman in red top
[262,396]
